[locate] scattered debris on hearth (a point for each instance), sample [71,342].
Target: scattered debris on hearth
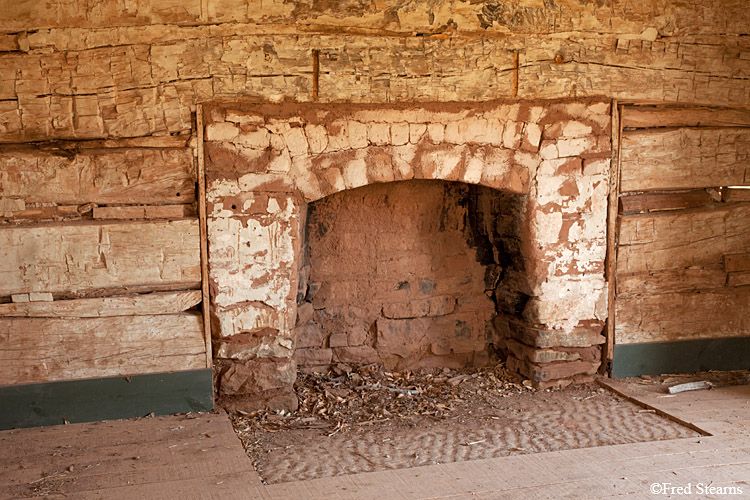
[359,396]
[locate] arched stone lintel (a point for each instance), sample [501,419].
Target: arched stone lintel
[318,176]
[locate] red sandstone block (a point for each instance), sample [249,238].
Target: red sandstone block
[256,376]
[338,340]
[433,306]
[583,335]
[312,357]
[356,354]
[551,371]
[304,313]
[309,335]
[536,355]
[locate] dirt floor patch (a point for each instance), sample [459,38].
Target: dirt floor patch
[364,420]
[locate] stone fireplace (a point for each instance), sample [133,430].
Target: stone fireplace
[411,235]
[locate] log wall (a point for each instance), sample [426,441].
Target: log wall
[97,104]
[684,225]
[99,260]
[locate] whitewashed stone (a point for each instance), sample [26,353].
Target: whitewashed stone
[296,141]
[416,131]
[379,134]
[221,131]
[436,132]
[399,134]
[355,173]
[256,139]
[317,138]
[357,134]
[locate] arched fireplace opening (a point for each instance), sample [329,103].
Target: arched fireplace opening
[406,274]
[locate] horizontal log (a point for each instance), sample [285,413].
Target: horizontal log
[682,316]
[76,257]
[671,116]
[732,195]
[697,238]
[676,280]
[60,212]
[737,262]
[123,305]
[684,158]
[655,202]
[144,212]
[102,176]
[714,16]
[42,350]
[154,141]
[173,67]
[739,279]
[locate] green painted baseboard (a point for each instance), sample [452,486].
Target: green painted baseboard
[688,356]
[105,398]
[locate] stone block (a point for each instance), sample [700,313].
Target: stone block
[317,138]
[416,131]
[548,150]
[433,306]
[254,137]
[379,134]
[275,399]
[313,357]
[358,355]
[536,355]
[222,131]
[576,147]
[584,335]
[436,132]
[356,336]
[308,335]
[257,376]
[304,313]
[296,141]
[512,135]
[400,336]
[551,371]
[245,347]
[532,136]
[399,134]
[357,132]
[338,340]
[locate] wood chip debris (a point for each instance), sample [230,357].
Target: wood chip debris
[349,397]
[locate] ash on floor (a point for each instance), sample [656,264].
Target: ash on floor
[366,419]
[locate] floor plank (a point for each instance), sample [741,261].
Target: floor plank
[198,456]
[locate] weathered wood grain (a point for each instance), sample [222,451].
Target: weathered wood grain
[130,175]
[670,281]
[59,212]
[671,116]
[144,212]
[84,256]
[408,17]
[655,202]
[682,316]
[43,350]
[737,262]
[738,279]
[696,238]
[736,195]
[122,305]
[685,158]
[63,87]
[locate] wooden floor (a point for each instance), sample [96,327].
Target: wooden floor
[200,458]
